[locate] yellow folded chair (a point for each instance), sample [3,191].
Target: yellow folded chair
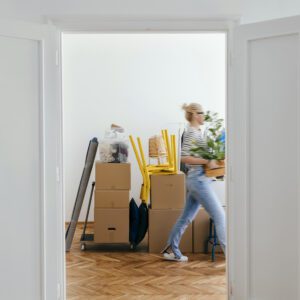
[146,170]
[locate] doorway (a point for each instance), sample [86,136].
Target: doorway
[99,85]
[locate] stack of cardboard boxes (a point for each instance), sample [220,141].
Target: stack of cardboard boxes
[167,201]
[111,214]
[168,195]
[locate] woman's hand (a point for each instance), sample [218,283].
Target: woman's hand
[213,164]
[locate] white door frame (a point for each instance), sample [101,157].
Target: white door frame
[52,211]
[49,148]
[146,25]
[240,144]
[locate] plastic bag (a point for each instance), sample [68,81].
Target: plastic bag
[113,148]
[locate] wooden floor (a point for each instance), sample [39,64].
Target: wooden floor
[119,273]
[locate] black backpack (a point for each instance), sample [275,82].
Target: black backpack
[183,167]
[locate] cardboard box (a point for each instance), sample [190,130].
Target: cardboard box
[111,198]
[161,222]
[111,225]
[167,191]
[113,176]
[201,232]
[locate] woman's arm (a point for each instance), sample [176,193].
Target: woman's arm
[191,160]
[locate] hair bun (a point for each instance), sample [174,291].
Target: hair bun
[192,107]
[184,106]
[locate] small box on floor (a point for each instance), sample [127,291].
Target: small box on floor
[111,225]
[113,176]
[161,222]
[167,191]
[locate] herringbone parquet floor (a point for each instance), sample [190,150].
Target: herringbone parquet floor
[119,273]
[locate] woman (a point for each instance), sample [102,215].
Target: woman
[199,190]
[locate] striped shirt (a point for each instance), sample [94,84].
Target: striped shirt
[192,137]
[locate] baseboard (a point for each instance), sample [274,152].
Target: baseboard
[80,222]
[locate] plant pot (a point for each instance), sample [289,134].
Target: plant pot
[217,171]
[221,163]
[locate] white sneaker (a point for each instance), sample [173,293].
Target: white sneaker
[171,256]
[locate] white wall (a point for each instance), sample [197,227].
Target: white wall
[250,11]
[38,9]
[143,7]
[257,10]
[138,81]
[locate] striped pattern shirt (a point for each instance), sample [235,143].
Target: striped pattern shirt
[192,137]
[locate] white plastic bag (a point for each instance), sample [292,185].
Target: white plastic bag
[113,148]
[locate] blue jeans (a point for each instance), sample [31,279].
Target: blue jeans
[199,193]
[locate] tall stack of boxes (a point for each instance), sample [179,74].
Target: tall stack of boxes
[167,197]
[111,214]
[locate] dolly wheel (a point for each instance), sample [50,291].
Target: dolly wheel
[83,247]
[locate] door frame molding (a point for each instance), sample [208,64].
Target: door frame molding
[50,160]
[241,141]
[176,25]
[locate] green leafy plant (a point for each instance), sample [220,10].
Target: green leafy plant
[214,135]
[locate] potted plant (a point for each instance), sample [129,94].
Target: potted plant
[214,134]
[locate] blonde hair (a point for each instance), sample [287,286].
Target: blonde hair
[191,109]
